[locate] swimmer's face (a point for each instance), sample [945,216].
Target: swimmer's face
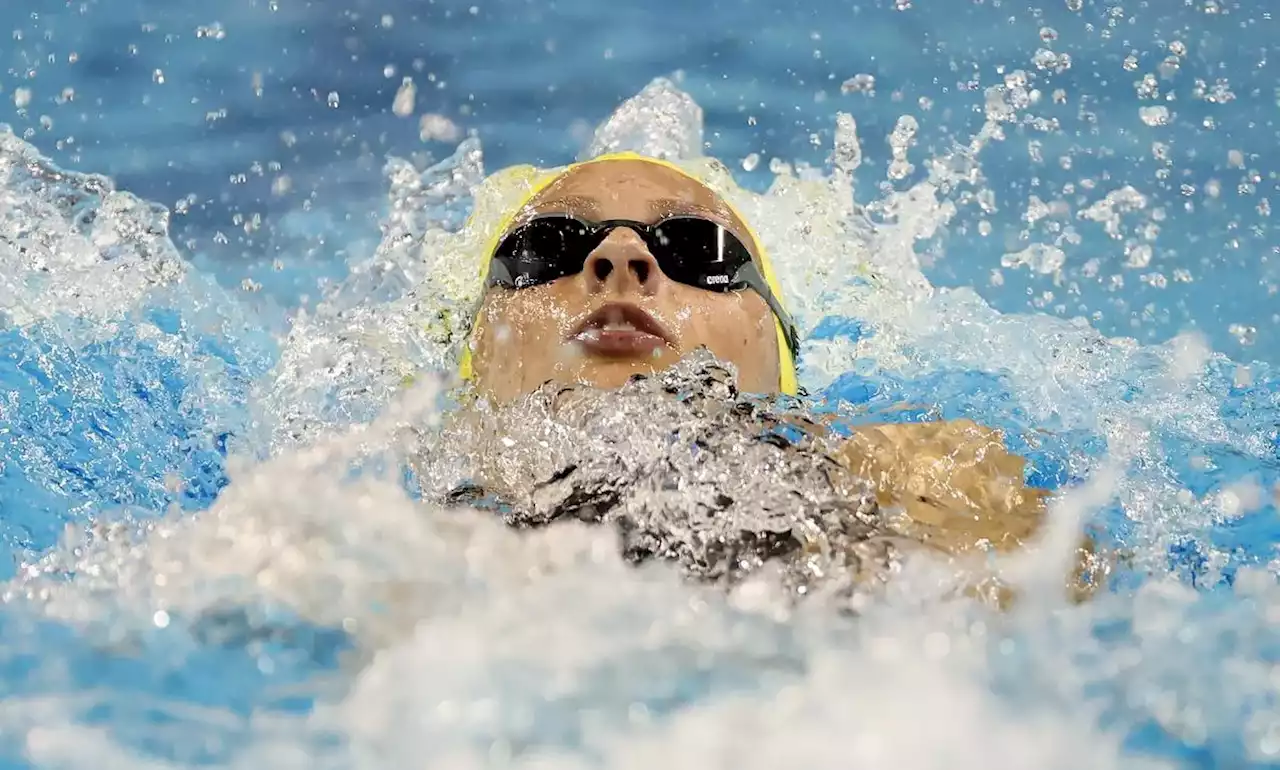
[620,315]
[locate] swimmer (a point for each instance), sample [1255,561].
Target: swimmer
[625,265]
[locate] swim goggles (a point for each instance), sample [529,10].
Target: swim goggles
[689,249]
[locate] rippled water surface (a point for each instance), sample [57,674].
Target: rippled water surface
[226,236]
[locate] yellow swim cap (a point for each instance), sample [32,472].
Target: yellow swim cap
[534,181]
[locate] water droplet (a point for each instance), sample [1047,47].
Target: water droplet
[213,31]
[900,141]
[1040,257]
[1139,255]
[432,127]
[406,98]
[1044,59]
[861,83]
[1148,87]
[847,155]
[1154,116]
[1245,335]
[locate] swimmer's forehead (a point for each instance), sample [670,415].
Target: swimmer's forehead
[630,189]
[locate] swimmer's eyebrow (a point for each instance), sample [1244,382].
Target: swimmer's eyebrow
[571,204]
[666,207]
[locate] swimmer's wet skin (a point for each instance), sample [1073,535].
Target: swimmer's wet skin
[623,265]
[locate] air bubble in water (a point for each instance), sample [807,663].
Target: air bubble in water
[1075,5]
[751,162]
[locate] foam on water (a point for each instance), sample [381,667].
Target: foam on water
[313,616]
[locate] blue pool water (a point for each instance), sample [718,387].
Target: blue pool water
[190,585]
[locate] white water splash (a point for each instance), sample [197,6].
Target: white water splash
[478,645]
[72,244]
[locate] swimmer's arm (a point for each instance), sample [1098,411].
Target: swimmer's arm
[959,489]
[955,482]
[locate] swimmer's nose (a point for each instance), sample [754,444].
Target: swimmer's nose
[622,263]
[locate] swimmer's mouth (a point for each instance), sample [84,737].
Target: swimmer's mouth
[621,330]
